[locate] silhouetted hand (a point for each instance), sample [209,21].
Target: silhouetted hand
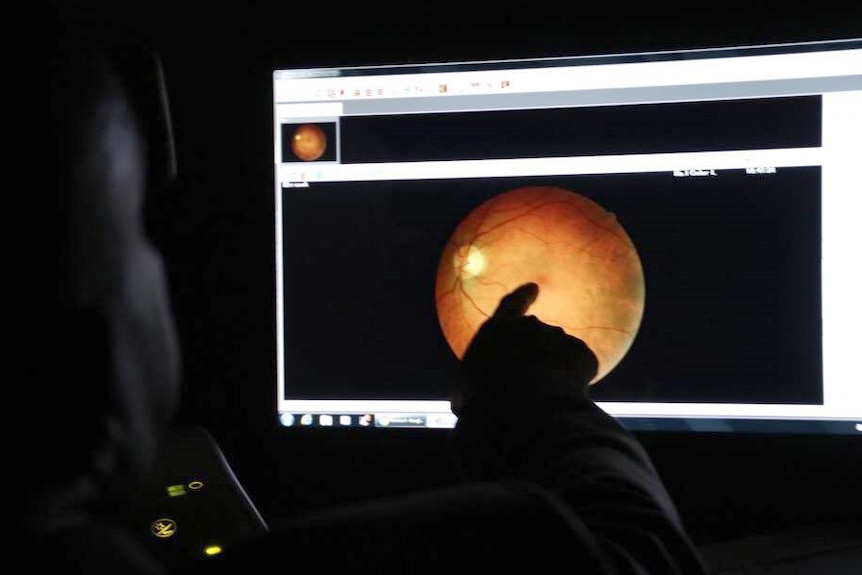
[515,356]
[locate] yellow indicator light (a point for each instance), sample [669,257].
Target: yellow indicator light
[195,485]
[212,550]
[163,528]
[176,490]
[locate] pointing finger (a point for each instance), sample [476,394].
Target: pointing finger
[516,303]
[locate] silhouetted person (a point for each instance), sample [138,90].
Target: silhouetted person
[98,356]
[551,481]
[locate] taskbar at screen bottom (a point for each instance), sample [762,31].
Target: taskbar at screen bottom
[435,420]
[438,420]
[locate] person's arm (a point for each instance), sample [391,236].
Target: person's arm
[524,414]
[555,483]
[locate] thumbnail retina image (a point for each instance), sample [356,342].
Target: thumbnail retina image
[699,289]
[308,142]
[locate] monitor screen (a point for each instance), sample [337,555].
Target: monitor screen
[690,215]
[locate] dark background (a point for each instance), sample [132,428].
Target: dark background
[753,124]
[216,228]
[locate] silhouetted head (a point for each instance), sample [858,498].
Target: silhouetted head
[99,349]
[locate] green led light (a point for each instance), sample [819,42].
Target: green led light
[176,490]
[212,550]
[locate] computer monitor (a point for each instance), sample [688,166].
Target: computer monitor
[691,215]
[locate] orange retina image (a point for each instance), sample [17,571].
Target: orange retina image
[591,282]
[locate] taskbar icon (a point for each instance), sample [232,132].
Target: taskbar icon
[326,419]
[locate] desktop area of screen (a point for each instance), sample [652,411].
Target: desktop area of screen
[689,215]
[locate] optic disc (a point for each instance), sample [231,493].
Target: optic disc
[469,261]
